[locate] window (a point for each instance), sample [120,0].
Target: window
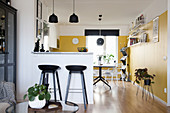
[110,46]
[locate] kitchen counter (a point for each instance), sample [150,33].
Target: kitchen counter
[62,59]
[75,53]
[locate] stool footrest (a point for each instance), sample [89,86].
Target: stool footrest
[75,89]
[75,92]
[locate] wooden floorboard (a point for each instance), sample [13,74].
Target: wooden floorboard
[122,100]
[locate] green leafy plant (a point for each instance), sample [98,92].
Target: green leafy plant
[37,90]
[108,57]
[142,74]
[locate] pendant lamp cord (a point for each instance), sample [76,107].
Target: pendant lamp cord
[73,6]
[53,6]
[100,29]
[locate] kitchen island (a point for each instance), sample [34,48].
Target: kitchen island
[62,59]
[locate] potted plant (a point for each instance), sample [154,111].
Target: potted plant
[142,74]
[107,58]
[37,96]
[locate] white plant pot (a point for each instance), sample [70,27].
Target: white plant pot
[37,104]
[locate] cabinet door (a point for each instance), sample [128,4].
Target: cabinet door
[11,39]
[2,74]
[11,77]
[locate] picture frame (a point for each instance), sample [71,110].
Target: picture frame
[156,29]
[39,9]
[38,29]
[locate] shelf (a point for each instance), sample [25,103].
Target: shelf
[4,53]
[132,37]
[135,44]
[139,43]
[137,26]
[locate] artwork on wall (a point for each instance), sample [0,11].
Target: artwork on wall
[156,29]
[39,9]
[38,29]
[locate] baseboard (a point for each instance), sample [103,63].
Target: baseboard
[168,104]
[157,98]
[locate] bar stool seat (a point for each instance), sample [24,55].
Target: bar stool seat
[46,69]
[77,69]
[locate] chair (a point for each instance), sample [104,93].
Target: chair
[115,72]
[95,73]
[7,96]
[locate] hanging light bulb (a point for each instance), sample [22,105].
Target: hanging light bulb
[53,18]
[73,17]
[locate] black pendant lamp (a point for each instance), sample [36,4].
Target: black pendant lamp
[53,18]
[73,17]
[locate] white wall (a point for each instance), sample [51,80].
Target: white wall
[78,30]
[168,61]
[25,44]
[155,9]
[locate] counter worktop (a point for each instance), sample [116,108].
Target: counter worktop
[75,53]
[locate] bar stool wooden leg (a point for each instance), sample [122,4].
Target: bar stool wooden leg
[85,87]
[68,85]
[41,78]
[58,82]
[54,86]
[43,81]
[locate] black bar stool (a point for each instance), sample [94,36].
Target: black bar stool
[46,69]
[77,69]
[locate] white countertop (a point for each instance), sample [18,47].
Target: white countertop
[74,53]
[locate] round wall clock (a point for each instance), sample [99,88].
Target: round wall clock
[75,40]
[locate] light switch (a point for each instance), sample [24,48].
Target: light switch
[165,58]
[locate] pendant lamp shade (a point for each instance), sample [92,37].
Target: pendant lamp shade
[53,18]
[73,17]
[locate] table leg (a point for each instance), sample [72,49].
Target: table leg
[96,81]
[106,83]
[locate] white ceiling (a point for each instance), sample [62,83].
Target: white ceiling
[113,11]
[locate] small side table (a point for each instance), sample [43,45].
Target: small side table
[46,109]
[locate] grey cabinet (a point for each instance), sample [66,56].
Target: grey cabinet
[8,29]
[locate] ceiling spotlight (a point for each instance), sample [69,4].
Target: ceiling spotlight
[100,15]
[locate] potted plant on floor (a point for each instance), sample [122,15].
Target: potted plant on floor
[107,58]
[142,74]
[37,96]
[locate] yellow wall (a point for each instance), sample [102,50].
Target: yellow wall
[66,44]
[122,42]
[150,55]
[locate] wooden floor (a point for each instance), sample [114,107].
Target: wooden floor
[122,100]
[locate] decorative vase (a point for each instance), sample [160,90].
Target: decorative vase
[37,104]
[108,62]
[147,82]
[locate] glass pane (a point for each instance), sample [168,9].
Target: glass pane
[10,74]
[2,58]
[93,47]
[2,30]
[2,77]
[10,38]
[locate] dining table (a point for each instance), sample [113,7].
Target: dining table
[100,78]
